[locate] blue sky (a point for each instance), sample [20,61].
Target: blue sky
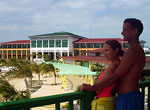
[89,18]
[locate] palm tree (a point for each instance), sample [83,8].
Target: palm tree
[47,68]
[9,93]
[3,62]
[36,68]
[98,68]
[21,69]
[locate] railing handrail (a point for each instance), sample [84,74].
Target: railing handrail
[41,101]
[84,97]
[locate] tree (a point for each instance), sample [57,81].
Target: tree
[98,68]
[47,57]
[21,69]
[47,68]
[9,93]
[3,62]
[36,68]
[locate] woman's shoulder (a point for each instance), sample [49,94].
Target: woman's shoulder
[114,65]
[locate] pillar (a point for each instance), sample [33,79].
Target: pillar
[89,64]
[74,62]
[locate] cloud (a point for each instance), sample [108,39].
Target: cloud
[128,3]
[76,16]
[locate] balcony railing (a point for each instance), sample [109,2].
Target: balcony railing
[84,97]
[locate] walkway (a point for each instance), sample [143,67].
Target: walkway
[47,89]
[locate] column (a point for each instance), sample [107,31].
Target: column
[74,62]
[16,54]
[7,54]
[89,64]
[2,54]
[68,53]
[54,55]
[42,55]
[36,55]
[26,54]
[11,53]
[21,53]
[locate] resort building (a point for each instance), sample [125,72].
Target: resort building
[15,49]
[90,51]
[83,46]
[71,48]
[56,44]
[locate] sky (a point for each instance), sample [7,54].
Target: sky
[89,18]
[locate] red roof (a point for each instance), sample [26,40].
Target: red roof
[17,42]
[97,40]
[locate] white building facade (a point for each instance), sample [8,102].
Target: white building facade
[55,44]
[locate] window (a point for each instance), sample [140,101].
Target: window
[24,52]
[5,52]
[14,45]
[39,43]
[28,45]
[64,54]
[83,45]
[102,45]
[14,51]
[58,43]
[64,43]
[5,46]
[33,43]
[76,45]
[9,51]
[23,45]
[45,43]
[51,43]
[28,51]
[83,52]
[19,45]
[19,51]
[97,45]
[76,52]
[9,46]
[90,45]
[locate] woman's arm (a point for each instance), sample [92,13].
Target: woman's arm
[111,68]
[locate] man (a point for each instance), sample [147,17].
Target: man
[128,72]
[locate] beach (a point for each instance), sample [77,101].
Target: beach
[47,89]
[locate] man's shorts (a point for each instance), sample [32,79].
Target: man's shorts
[130,101]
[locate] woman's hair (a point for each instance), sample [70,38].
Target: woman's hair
[115,44]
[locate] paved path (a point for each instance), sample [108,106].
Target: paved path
[74,81]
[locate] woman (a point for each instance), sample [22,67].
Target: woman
[105,100]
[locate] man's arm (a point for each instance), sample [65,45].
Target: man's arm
[124,67]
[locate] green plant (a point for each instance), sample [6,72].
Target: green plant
[47,57]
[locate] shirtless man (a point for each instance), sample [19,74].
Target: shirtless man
[128,72]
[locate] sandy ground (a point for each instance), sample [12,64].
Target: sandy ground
[47,89]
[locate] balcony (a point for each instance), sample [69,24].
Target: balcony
[84,97]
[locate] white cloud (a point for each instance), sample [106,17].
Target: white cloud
[128,3]
[37,16]
[10,27]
